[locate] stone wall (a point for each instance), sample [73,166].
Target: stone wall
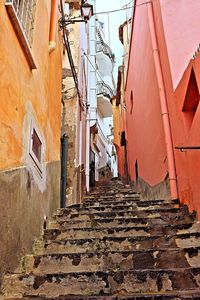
[159,191]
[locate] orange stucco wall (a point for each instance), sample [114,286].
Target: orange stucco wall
[26,96]
[23,89]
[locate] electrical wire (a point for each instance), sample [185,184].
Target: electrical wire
[112,11]
[127,4]
[95,69]
[125,7]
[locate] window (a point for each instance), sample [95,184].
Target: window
[36,145]
[131,103]
[22,14]
[123,138]
[191,101]
[36,148]
[25,11]
[136,170]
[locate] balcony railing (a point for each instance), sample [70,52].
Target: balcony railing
[105,89]
[103,47]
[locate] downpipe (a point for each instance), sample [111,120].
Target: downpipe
[53,25]
[63,180]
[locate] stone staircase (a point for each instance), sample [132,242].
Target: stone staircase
[114,246]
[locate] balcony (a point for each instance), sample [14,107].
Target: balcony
[105,58]
[104,95]
[103,47]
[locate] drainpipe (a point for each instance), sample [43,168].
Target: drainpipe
[63,182]
[163,104]
[87,152]
[92,98]
[53,25]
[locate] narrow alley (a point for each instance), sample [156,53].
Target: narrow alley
[99,149]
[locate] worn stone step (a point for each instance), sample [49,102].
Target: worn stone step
[128,201]
[113,261]
[119,222]
[116,207]
[111,191]
[175,295]
[109,222]
[98,232]
[77,233]
[181,295]
[166,213]
[111,243]
[105,196]
[102,283]
[178,295]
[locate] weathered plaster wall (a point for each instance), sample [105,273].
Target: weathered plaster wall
[27,95]
[72,118]
[22,210]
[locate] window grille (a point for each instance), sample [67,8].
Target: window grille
[25,11]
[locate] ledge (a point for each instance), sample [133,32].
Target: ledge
[20,34]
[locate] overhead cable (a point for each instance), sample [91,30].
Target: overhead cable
[95,69]
[125,7]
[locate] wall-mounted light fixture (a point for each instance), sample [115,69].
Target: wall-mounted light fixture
[86,14]
[86,10]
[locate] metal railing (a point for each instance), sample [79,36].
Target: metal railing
[25,11]
[103,47]
[186,148]
[105,89]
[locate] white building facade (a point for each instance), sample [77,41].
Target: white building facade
[101,90]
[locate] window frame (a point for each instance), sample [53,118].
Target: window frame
[20,32]
[38,163]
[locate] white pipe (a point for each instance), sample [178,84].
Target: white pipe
[92,99]
[87,162]
[52,46]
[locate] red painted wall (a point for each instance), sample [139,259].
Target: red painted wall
[178,38]
[187,134]
[144,124]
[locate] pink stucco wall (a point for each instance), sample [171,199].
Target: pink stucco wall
[181,28]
